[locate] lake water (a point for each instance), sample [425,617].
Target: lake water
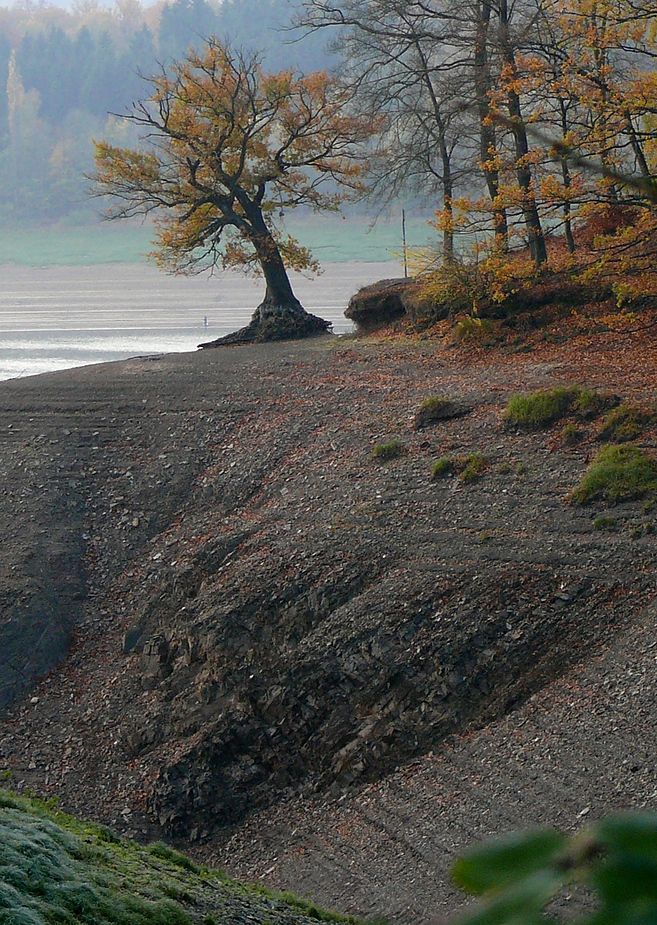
[55,317]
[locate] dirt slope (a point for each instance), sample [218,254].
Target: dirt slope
[261,612]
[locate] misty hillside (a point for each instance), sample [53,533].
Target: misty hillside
[62,72]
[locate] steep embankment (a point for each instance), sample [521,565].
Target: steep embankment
[269,612]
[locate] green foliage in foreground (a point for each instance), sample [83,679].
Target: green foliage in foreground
[617,473]
[517,876]
[57,870]
[534,410]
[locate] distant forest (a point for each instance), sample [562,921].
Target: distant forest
[63,72]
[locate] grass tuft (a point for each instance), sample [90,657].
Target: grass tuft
[571,434]
[604,522]
[468,467]
[433,409]
[539,409]
[617,473]
[442,467]
[391,449]
[474,466]
[159,850]
[434,403]
[625,422]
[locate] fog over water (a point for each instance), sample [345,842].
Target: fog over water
[57,317]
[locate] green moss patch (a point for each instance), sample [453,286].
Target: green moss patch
[442,467]
[617,473]
[56,870]
[435,409]
[625,422]
[391,449]
[468,466]
[540,409]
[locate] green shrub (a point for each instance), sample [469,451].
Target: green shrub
[517,876]
[471,330]
[539,409]
[625,422]
[448,290]
[388,450]
[617,473]
[442,467]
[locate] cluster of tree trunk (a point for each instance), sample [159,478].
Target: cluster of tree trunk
[508,113]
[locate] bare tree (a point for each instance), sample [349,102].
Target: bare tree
[405,60]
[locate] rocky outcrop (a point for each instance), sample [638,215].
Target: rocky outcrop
[366,684]
[377,305]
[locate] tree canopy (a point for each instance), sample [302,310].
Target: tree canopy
[523,119]
[229,149]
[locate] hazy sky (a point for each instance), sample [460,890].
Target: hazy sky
[66,4]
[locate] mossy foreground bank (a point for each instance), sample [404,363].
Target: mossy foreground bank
[242,607]
[58,870]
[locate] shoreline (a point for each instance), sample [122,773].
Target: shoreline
[63,317]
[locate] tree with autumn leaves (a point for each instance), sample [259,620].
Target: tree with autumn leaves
[531,126]
[227,150]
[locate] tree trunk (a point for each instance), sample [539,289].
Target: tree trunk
[448,195]
[523,171]
[487,141]
[280,315]
[567,181]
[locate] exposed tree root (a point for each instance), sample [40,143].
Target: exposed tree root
[272,322]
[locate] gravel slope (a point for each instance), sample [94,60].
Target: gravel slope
[585,745]
[262,621]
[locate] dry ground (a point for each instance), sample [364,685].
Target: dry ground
[408,664]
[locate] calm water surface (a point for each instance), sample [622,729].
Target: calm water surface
[57,317]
